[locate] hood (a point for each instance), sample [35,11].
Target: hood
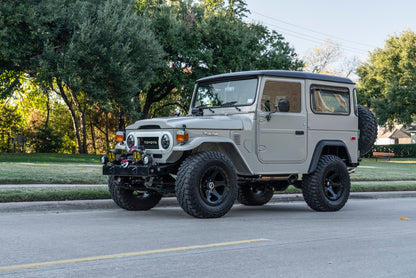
[191,122]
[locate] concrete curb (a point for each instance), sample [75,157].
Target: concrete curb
[170,202]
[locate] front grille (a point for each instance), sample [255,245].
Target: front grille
[149,142]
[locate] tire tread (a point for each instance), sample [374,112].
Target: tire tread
[185,182]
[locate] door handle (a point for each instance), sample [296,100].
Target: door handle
[299,132]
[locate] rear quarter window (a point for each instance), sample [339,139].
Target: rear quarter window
[330,100]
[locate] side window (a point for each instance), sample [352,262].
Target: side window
[274,91]
[330,100]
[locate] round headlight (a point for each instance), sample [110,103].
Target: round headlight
[130,141]
[165,141]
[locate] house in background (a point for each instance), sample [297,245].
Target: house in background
[397,135]
[412,131]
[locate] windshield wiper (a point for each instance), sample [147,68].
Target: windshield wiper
[230,104]
[205,106]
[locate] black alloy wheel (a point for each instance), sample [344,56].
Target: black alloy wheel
[213,186]
[333,187]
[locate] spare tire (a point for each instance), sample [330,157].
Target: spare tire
[367,124]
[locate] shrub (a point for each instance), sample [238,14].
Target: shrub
[399,150]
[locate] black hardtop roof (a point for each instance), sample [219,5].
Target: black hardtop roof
[278,73]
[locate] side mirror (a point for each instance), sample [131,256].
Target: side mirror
[284,105]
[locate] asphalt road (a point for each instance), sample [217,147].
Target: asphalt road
[368,238]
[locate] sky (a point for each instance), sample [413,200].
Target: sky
[358,26]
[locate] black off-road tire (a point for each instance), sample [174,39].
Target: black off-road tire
[112,183]
[254,194]
[328,188]
[367,124]
[206,185]
[129,199]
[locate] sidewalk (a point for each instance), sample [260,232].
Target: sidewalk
[169,202]
[49,185]
[105,185]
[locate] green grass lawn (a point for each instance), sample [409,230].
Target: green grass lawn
[50,168]
[52,194]
[67,169]
[385,170]
[50,157]
[53,172]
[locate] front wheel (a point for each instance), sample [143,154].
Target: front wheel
[328,188]
[206,185]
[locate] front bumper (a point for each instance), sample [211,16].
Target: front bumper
[138,170]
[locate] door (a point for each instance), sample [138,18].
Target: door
[282,131]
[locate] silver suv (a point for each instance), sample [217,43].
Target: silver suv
[247,135]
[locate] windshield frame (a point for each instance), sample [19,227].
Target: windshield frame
[224,80]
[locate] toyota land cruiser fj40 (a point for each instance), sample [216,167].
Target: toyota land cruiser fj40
[247,135]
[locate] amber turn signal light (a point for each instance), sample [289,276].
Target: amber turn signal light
[182,136]
[119,136]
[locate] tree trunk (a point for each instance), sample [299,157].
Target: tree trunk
[147,105]
[74,118]
[93,137]
[152,96]
[106,132]
[47,112]
[83,145]
[121,121]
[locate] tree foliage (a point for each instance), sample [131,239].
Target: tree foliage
[86,51]
[388,80]
[115,60]
[202,38]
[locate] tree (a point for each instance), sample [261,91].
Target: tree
[320,58]
[10,123]
[86,51]
[388,80]
[40,137]
[202,38]
[328,59]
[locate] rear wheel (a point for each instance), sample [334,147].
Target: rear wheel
[254,194]
[328,188]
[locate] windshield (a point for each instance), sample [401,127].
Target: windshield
[227,93]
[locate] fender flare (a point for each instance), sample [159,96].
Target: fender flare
[225,145]
[319,148]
